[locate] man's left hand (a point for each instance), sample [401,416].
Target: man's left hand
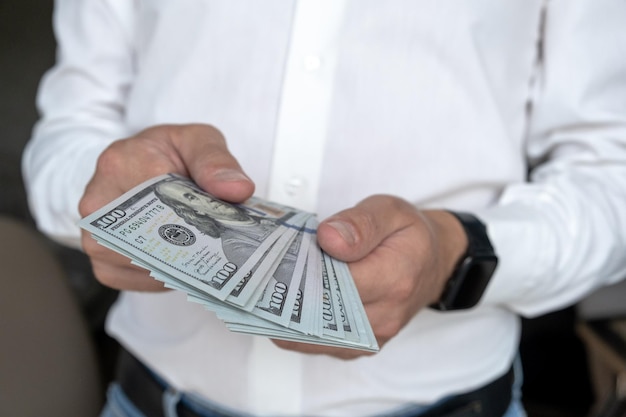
[400,258]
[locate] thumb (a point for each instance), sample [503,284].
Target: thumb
[352,234]
[210,164]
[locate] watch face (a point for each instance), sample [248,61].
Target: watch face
[474,275]
[471,276]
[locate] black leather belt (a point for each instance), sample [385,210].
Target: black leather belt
[492,400]
[145,391]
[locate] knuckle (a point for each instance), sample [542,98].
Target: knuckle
[389,329]
[393,203]
[213,133]
[90,247]
[364,223]
[86,206]
[110,160]
[99,274]
[402,289]
[204,132]
[347,355]
[283,344]
[103,277]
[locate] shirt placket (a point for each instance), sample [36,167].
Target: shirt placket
[301,132]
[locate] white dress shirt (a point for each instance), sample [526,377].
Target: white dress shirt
[324,102]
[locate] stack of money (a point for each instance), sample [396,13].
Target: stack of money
[257,265]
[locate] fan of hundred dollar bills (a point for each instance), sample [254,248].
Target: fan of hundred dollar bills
[257,265]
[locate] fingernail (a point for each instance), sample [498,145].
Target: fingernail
[344,229]
[230,175]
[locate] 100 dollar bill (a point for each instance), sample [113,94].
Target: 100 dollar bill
[172,225]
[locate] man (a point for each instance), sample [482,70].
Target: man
[377,116]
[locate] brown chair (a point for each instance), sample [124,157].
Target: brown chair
[48,364]
[603,329]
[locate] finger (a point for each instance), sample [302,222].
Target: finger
[116,271]
[196,151]
[211,165]
[312,349]
[352,234]
[124,277]
[126,163]
[386,319]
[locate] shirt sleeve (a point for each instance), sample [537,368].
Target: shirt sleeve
[81,102]
[563,233]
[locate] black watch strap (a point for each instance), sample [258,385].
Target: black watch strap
[473,271]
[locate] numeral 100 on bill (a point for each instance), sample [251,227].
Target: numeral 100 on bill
[110,218]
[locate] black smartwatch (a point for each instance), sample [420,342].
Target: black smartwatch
[474,270]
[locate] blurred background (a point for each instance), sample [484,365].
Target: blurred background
[27,50]
[55,358]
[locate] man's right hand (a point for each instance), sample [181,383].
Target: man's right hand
[196,151]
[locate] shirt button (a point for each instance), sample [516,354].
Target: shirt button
[294,185]
[312,62]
